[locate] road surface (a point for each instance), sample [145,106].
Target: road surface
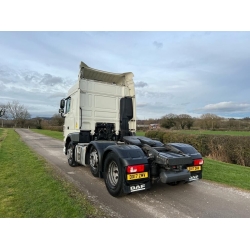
[200,199]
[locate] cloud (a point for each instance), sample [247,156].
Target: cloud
[152,95]
[157,45]
[140,105]
[57,95]
[226,107]
[51,80]
[40,93]
[140,84]
[2,86]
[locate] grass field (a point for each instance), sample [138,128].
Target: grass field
[31,189]
[140,133]
[211,132]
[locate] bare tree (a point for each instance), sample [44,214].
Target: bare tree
[168,121]
[38,122]
[17,112]
[184,121]
[3,113]
[57,120]
[210,121]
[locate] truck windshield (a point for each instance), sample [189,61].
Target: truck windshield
[68,105]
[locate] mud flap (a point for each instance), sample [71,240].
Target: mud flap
[193,178]
[134,187]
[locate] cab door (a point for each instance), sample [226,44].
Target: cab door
[69,117]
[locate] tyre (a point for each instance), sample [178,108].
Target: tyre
[94,161]
[113,175]
[71,154]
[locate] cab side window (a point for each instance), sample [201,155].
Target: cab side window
[68,105]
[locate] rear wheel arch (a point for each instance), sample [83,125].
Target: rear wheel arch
[104,157]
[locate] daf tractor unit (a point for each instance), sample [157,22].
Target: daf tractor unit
[100,132]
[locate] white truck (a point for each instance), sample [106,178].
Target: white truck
[100,132]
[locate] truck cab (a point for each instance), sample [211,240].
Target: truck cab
[100,104]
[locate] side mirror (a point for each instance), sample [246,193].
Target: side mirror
[62,103]
[61,111]
[2,112]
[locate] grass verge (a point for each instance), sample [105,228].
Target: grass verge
[3,133]
[225,173]
[30,188]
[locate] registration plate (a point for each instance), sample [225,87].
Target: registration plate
[194,168]
[137,176]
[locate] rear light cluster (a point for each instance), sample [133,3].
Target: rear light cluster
[135,169]
[198,162]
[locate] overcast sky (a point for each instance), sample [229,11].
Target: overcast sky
[178,72]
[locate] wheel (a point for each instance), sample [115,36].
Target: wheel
[71,154]
[94,161]
[113,174]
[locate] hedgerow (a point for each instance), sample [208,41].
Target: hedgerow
[226,148]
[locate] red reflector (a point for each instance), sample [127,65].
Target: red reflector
[135,168]
[198,162]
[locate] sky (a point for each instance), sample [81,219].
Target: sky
[176,70]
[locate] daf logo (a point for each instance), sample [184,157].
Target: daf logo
[138,187]
[193,178]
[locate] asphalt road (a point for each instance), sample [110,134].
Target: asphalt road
[199,199]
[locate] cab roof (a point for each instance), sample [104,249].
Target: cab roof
[103,76]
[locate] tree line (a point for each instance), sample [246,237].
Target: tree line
[13,114]
[206,121]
